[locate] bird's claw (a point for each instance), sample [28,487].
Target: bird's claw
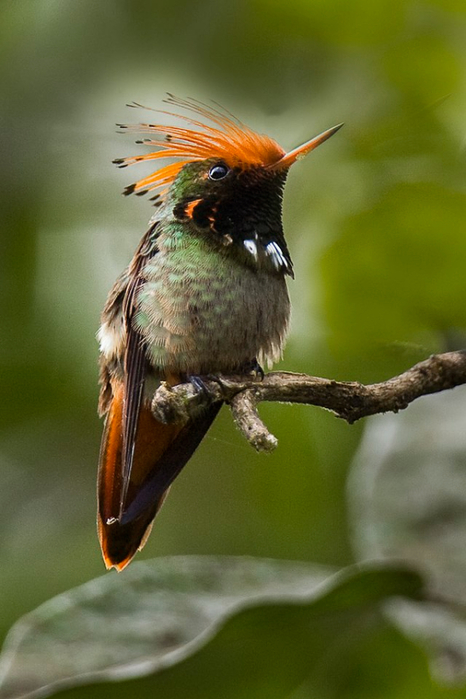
[253,367]
[198,383]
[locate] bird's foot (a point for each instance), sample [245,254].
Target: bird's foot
[253,367]
[199,384]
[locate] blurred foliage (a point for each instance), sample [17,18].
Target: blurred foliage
[374,220]
[407,498]
[294,618]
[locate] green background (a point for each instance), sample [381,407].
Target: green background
[375,221]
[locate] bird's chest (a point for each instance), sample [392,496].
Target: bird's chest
[202,311]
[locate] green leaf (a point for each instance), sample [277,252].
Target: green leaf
[157,614]
[408,501]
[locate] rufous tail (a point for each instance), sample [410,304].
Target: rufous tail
[160,452]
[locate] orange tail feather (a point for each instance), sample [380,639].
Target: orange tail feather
[120,543]
[160,452]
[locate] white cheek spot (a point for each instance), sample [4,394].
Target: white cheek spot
[276,255]
[110,338]
[251,247]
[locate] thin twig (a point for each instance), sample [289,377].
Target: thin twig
[348,400]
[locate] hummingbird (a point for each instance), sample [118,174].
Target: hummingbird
[205,294]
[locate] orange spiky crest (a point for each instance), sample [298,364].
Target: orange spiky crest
[233,142]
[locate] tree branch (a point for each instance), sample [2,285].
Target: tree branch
[348,400]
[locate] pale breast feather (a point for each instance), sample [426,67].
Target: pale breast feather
[111,337]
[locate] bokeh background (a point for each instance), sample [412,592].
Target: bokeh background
[375,221]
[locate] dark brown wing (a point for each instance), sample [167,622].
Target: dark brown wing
[135,368]
[169,464]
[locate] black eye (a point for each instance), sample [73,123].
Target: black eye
[218,171]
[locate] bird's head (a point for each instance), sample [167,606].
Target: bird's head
[225,178]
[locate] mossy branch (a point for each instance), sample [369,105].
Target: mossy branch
[349,400]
